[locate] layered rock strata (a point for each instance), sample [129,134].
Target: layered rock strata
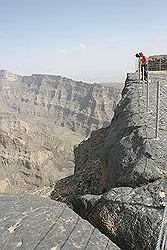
[42,117]
[76,105]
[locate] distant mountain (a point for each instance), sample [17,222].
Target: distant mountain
[112,84]
[42,117]
[79,106]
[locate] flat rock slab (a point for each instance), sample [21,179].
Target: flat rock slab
[31,222]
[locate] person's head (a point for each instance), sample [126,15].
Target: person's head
[140,54]
[137,55]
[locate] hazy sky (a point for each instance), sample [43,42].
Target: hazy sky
[91,40]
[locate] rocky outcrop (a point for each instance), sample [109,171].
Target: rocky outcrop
[29,222]
[123,169]
[132,156]
[131,217]
[87,176]
[42,117]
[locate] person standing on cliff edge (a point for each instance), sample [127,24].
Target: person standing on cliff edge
[144,66]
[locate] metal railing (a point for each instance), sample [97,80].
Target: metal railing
[157,64]
[162,239]
[147,82]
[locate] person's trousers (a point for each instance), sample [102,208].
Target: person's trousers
[145,68]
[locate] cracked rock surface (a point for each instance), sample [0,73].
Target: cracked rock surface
[30,222]
[130,217]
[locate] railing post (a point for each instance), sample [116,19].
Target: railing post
[148,93]
[142,81]
[162,234]
[148,96]
[157,111]
[160,63]
[139,65]
[164,243]
[143,73]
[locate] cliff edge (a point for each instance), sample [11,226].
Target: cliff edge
[120,177]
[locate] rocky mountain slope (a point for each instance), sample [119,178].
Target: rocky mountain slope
[42,118]
[120,177]
[33,154]
[79,106]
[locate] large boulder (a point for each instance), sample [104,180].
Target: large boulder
[130,217]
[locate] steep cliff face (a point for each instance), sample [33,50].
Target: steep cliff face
[123,169]
[78,106]
[42,118]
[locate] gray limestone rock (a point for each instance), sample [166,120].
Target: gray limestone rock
[119,183]
[30,222]
[131,155]
[130,217]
